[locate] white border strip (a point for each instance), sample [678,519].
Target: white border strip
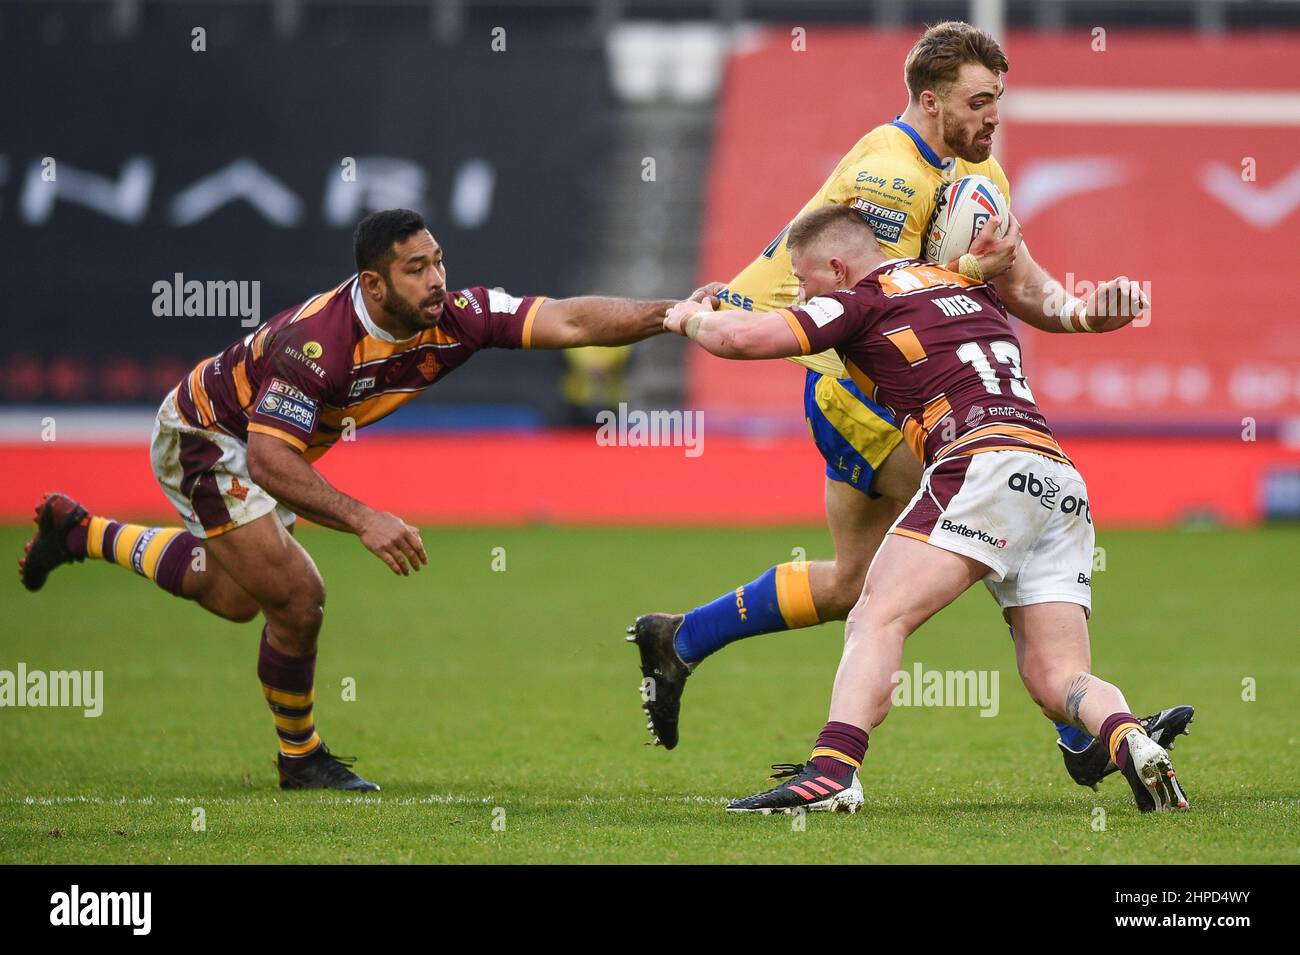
[1158,107]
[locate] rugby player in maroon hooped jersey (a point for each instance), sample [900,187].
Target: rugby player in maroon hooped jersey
[234,443]
[999,500]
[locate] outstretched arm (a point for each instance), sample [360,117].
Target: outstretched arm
[1037,299]
[728,335]
[596,320]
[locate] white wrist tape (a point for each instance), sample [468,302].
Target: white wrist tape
[1074,315]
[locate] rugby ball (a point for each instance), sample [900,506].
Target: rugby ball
[963,207]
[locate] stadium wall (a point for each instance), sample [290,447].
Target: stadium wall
[566,477]
[249,163]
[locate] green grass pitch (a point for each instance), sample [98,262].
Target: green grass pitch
[511,697]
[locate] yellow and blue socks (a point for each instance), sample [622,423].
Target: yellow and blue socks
[160,554]
[780,599]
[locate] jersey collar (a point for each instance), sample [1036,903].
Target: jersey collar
[928,154]
[886,265]
[363,316]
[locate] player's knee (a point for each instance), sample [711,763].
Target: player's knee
[299,609]
[1048,681]
[846,585]
[873,619]
[241,612]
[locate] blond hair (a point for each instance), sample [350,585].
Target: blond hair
[840,223]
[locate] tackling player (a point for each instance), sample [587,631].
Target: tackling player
[999,500]
[234,444]
[890,178]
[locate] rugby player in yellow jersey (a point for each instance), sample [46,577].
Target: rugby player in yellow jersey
[954,79]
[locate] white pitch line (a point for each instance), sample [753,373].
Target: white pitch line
[434,799]
[1159,107]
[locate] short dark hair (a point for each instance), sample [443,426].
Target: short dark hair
[372,241]
[839,220]
[942,50]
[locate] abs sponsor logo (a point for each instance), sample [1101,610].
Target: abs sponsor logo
[133,910]
[886,223]
[1076,505]
[961,530]
[1045,489]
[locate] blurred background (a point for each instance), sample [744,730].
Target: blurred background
[637,149]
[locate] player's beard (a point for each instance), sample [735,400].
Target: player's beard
[964,145]
[410,316]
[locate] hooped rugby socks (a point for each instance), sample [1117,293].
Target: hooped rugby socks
[1113,730]
[780,599]
[159,553]
[840,747]
[289,685]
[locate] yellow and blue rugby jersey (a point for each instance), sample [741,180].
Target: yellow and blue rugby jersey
[893,178]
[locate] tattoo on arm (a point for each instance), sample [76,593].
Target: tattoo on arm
[1074,697]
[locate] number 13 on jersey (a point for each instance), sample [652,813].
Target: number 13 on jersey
[1007,353]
